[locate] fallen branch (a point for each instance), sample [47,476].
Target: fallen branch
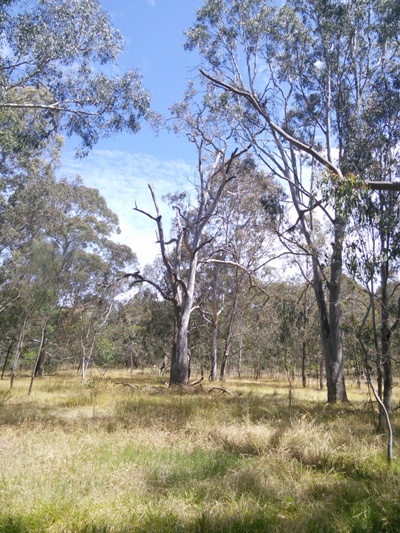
[126,385]
[220,388]
[195,382]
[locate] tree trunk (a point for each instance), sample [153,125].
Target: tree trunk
[179,374]
[330,320]
[321,372]
[180,360]
[303,363]
[330,316]
[6,359]
[18,352]
[223,373]
[39,370]
[228,342]
[334,367]
[214,322]
[214,350]
[385,342]
[240,356]
[40,357]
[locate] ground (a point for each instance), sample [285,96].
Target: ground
[105,457]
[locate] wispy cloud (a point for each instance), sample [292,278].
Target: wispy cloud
[123,179]
[151,2]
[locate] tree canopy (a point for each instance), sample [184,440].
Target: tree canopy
[57,57]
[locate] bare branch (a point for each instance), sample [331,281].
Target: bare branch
[274,127]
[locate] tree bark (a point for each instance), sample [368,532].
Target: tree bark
[229,336]
[385,341]
[40,357]
[18,352]
[214,325]
[183,301]
[334,365]
[6,359]
[179,374]
[330,319]
[214,350]
[303,363]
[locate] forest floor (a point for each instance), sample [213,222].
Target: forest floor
[105,457]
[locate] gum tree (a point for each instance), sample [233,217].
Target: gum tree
[188,246]
[242,249]
[55,60]
[298,78]
[58,259]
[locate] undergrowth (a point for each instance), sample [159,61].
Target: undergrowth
[125,453]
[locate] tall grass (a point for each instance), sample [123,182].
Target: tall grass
[110,458]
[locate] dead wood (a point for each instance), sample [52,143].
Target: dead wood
[221,389]
[195,382]
[126,385]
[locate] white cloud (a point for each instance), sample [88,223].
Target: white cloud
[151,2]
[123,178]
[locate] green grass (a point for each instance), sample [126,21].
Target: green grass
[109,458]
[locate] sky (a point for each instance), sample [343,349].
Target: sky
[121,168]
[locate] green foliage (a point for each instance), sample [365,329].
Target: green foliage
[53,62]
[57,268]
[104,353]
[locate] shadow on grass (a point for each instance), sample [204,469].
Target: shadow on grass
[336,512]
[165,524]
[29,413]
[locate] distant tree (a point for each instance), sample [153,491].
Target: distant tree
[60,257]
[146,324]
[242,247]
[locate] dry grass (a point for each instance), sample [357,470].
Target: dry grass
[109,458]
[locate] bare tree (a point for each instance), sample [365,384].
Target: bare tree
[181,255]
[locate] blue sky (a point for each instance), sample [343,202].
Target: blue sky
[122,167]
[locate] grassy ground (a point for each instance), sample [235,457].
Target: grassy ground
[110,458]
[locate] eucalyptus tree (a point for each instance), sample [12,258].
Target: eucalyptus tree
[373,259]
[376,220]
[242,249]
[55,59]
[298,78]
[211,135]
[60,259]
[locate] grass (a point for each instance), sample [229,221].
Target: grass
[109,458]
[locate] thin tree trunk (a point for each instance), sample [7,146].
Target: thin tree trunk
[228,342]
[6,359]
[385,342]
[289,382]
[378,358]
[240,356]
[18,352]
[214,323]
[86,360]
[303,363]
[214,350]
[321,373]
[39,357]
[382,407]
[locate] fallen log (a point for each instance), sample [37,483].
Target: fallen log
[221,389]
